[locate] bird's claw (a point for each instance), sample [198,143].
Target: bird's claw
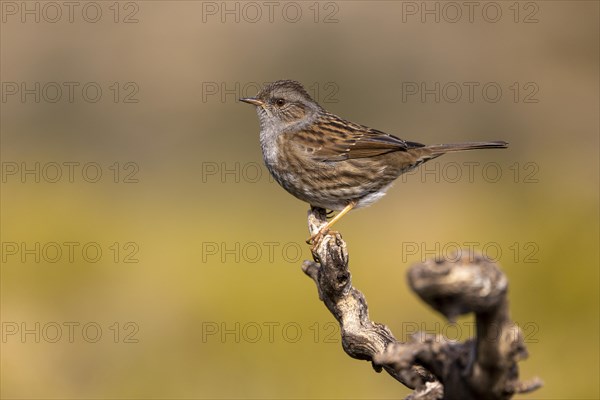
[316,238]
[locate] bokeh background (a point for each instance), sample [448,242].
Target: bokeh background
[198,291]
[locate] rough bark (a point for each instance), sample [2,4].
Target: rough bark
[436,368]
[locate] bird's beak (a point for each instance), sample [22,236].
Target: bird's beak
[253,101]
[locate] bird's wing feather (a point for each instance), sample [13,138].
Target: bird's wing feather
[347,140]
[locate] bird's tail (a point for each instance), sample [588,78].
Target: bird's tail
[439,149]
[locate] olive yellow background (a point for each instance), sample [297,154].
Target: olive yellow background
[147,254]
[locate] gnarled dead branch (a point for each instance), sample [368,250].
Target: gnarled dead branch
[436,368]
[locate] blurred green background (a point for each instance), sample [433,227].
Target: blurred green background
[197,291]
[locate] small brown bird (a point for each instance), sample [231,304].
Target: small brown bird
[329,162]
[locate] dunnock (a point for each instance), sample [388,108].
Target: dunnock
[329,162]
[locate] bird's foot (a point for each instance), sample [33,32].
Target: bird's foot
[316,239]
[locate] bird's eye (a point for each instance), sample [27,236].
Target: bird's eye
[280,102]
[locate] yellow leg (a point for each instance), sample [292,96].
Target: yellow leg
[314,239]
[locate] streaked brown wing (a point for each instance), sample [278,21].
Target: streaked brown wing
[334,139]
